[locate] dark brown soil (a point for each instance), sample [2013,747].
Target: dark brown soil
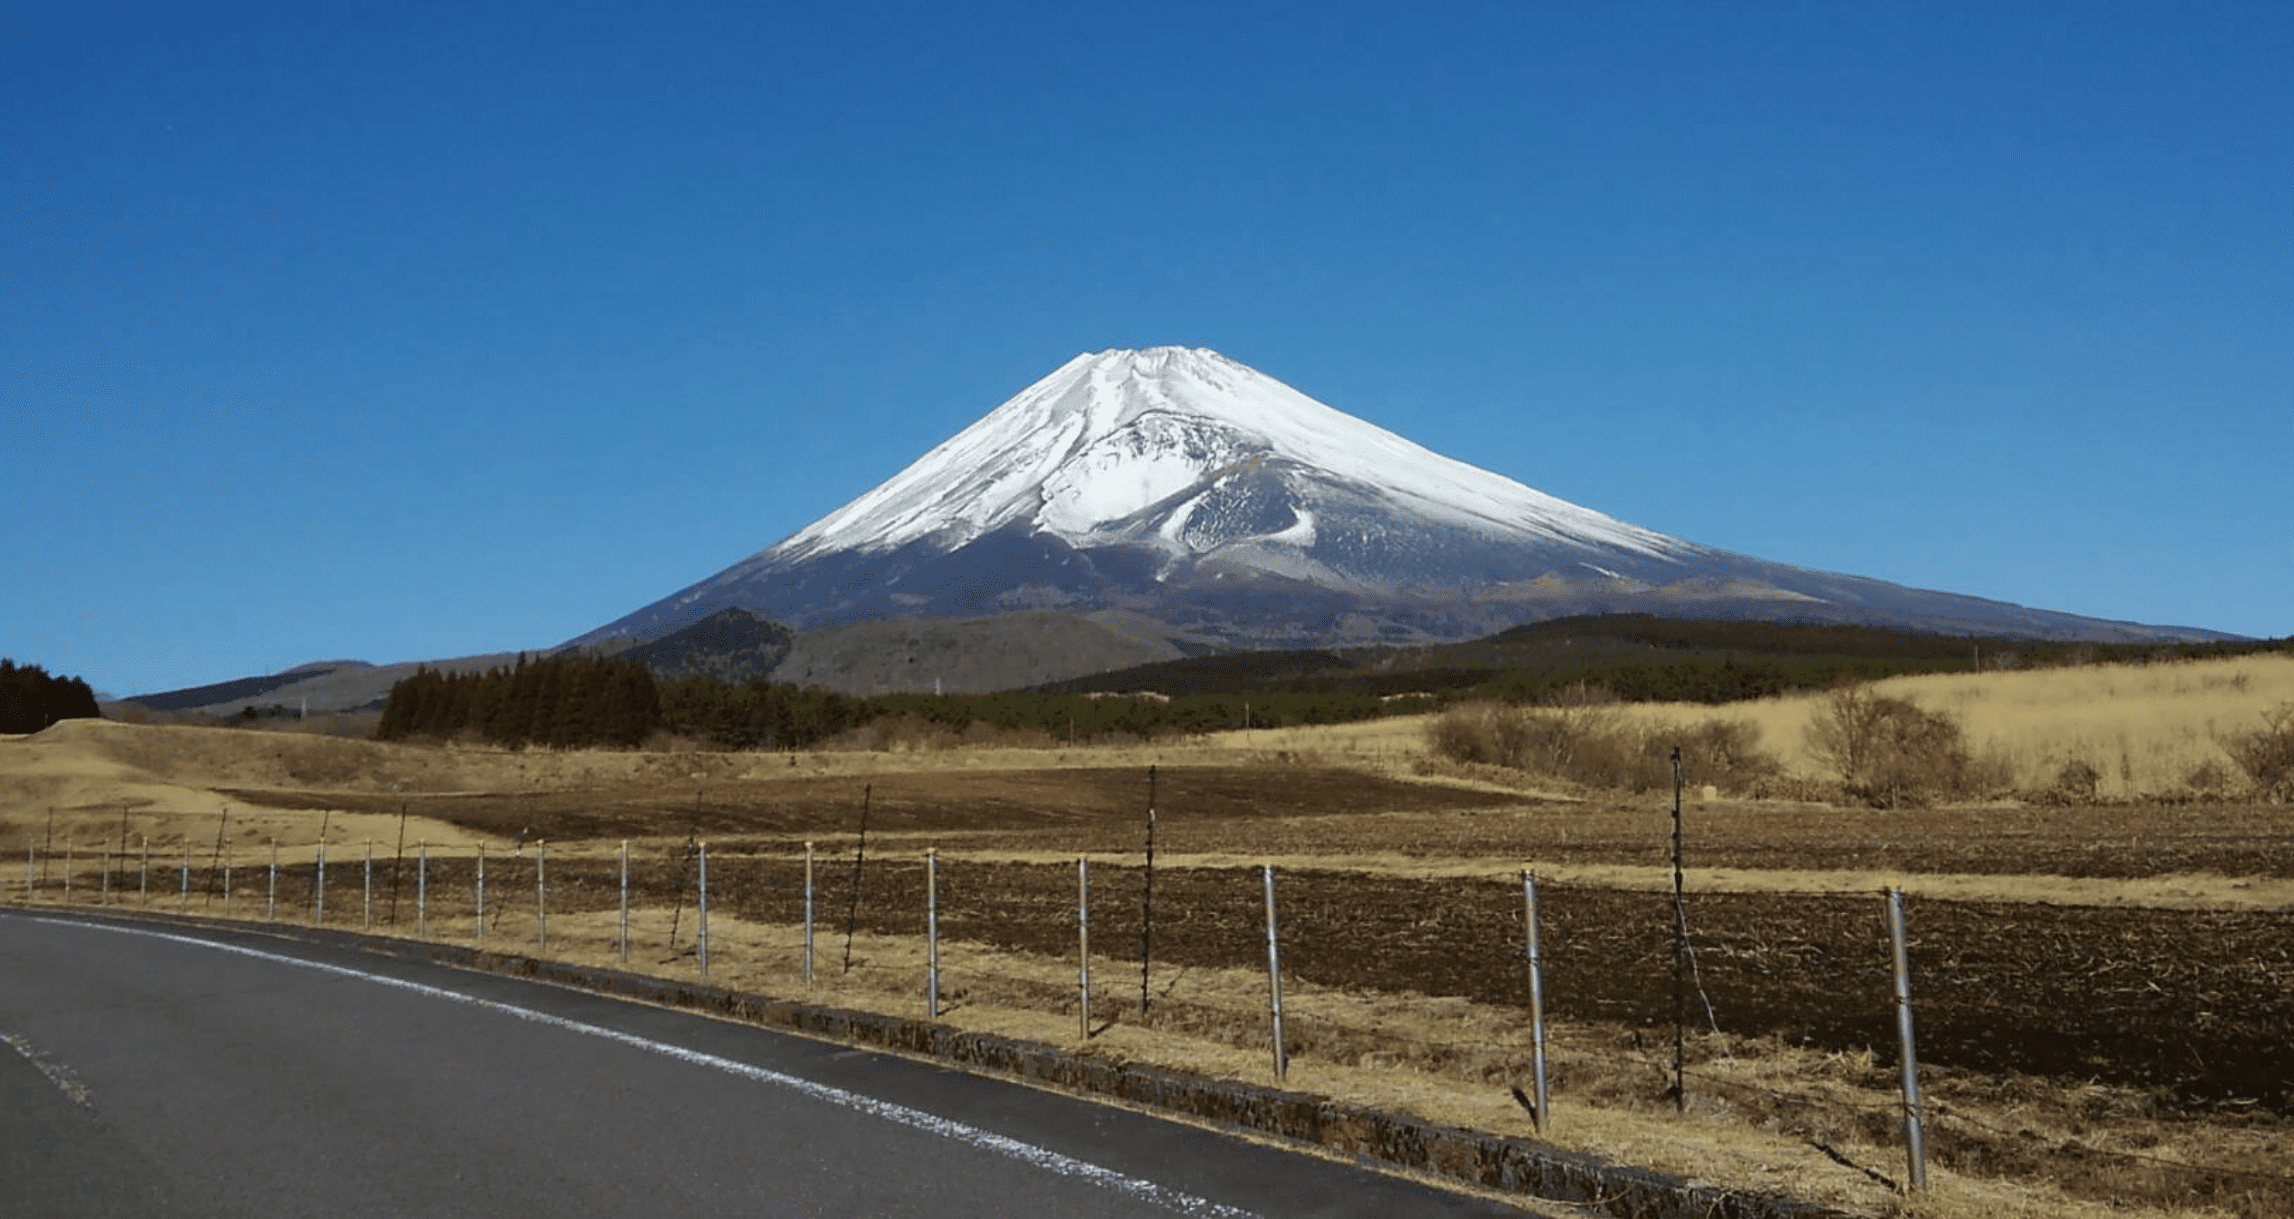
[1278,810]
[2197,1006]
[2194,1006]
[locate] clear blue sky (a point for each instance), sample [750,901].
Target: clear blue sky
[406,330]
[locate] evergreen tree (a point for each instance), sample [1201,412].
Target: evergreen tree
[30,699]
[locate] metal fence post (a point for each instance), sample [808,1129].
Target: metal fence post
[1543,1111]
[1915,1136]
[1083,945]
[1274,979]
[932,931]
[702,909]
[541,897]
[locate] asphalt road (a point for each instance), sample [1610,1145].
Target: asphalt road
[161,1072]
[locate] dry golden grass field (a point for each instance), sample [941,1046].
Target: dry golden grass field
[2105,993]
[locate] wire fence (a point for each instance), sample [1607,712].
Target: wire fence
[1334,937]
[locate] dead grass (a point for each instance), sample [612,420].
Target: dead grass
[2144,728]
[2188,891]
[1440,1058]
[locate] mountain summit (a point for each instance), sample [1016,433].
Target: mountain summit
[1186,454]
[1180,489]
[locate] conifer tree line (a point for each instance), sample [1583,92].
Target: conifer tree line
[31,700]
[566,702]
[766,715]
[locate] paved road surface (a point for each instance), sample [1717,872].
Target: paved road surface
[145,1071]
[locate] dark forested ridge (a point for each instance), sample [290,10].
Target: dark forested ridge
[591,701]
[241,690]
[30,699]
[732,645]
[1637,658]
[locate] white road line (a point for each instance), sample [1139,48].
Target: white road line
[57,1073]
[1028,1153]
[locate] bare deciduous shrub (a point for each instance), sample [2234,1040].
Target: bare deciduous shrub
[1891,751]
[1585,740]
[2207,778]
[2266,754]
[2077,780]
[1727,754]
[1466,732]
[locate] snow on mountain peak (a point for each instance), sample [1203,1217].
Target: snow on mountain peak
[1112,433]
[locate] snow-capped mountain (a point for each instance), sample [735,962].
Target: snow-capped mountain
[1181,488]
[1187,452]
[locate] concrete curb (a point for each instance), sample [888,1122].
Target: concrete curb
[1373,1138]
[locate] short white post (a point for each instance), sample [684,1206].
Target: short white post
[31,871]
[703,947]
[271,903]
[1915,1137]
[1542,1112]
[226,888]
[1274,979]
[319,888]
[625,901]
[808,915]
[143,875]
[422,888]
[68,871]
[541,897]
[932,932]
[478,932]
[184,902]
[366,917]
[1083,945]
[104,895]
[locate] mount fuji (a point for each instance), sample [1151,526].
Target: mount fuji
[1180,494]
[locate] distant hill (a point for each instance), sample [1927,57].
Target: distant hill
[238,691]
[972,655]
[731,645]
[1637,656]
[328,686]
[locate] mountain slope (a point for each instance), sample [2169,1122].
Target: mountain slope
[1181,486]
[731,645]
